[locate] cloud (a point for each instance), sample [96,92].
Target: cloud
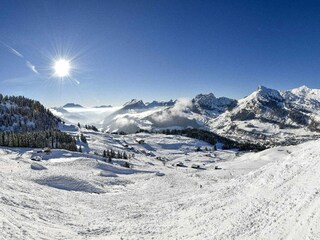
[20,80]
[32,67]
[12,50]
[178,110]
[75,80]
[121,122]
[18,54]
[181,106]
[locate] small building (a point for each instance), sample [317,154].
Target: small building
[47,150]
[36,158]
[196,166]
[180,164]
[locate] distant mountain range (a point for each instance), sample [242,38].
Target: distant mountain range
[139,104]
[267,116]
[103,106]
[72,105]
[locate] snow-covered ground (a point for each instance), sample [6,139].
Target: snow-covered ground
[273,194]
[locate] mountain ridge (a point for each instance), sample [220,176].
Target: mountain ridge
[266,116]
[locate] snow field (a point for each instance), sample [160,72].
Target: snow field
[273,194]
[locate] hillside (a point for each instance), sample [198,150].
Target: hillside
[27,123]
[272,194]
[20,114]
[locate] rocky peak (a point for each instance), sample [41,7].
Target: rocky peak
[267,94]
[211,102]
[134,104]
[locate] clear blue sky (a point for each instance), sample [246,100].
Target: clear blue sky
[157,49]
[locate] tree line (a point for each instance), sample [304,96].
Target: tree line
[38,139]
[211,138]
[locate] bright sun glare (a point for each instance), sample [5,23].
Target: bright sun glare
[62,68]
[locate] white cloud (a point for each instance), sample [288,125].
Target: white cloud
[32,67]
[178,110]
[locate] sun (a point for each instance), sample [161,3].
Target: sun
[62,68]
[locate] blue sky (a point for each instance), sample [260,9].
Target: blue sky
[157,49]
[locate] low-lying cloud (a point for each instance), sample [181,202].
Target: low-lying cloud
[178,110]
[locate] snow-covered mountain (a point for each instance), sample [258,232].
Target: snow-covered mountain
[272,117]
[161,104]
[267,116]
[139,104]
[154,115]
[134,104]
[178,114]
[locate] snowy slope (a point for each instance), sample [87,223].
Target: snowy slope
[272,194]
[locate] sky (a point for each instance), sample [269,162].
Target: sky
[156,50]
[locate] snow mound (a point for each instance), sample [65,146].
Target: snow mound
[160,174]
[37,166]
[108,174]
[68,184]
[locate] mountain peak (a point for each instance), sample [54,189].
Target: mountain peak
[207,96]
[160,104]
[211,103]
[134,103]
[303,89]
[264,93]
[305,92]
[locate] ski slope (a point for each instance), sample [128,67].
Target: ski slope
[273,194]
